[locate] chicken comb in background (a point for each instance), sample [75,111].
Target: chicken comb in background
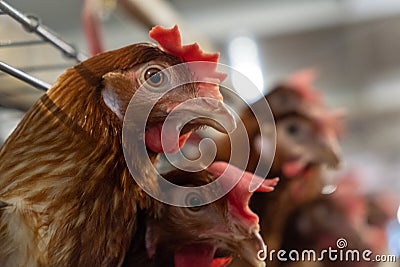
[298,95]
[91,25]
[170,41]
[203,236]
[301,82]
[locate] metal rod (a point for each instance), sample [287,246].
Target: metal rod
[32,24]
[40,68]
[20,43]
[24,77]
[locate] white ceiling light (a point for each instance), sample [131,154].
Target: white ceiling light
[244,57]
[398,214]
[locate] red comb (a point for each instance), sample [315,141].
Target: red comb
[239,197]
[301,82]
[327,119]
[170,41]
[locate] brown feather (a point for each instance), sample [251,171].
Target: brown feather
[72,199]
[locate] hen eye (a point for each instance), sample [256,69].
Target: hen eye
[293,129]
[154,76]
[194,201]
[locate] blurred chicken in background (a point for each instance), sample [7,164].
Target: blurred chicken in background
[307,134]
[307,142]
[347,214]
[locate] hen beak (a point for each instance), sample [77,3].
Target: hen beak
[330,152]
[248,246]
[253,250]
[170,136]
[204,111]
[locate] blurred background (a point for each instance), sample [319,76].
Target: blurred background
[354,45]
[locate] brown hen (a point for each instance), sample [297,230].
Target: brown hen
[202,235]
[306,141]
[68,197]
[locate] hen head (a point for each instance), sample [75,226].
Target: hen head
[307,131]
[209,235]
[144,70]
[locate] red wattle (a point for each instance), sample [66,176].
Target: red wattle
[221,262]
[292,168]
[153,140]
[199,255]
